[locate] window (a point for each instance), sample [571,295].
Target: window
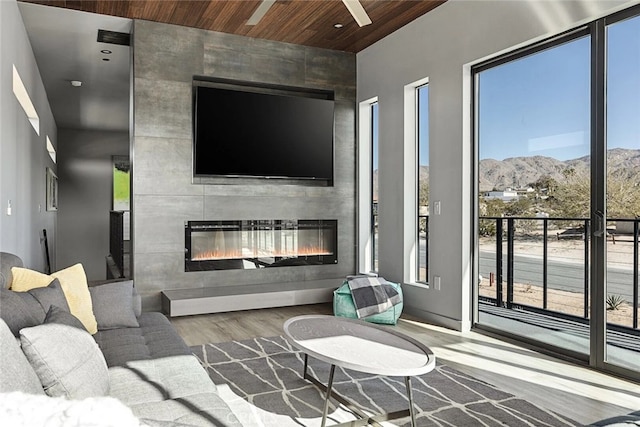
[121,191]
[51,149]
[374,185]
[422,131]
[368,186]
[557,139]
[533,129]
[25,101]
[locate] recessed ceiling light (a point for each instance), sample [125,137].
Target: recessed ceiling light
[106,59]
[76,83]
[338,25]
[106,51]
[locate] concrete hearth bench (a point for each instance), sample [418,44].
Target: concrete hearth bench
[185,302]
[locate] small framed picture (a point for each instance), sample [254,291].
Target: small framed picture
[52,191]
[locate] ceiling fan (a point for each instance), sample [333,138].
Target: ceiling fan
[354,6]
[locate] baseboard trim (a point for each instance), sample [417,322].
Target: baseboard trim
[438,319]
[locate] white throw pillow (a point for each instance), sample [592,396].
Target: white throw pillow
[67,360]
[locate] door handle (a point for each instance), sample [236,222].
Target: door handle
[599,225]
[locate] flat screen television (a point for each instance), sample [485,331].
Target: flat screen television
[263,133]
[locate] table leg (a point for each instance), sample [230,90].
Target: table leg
[326,401]
[407,381]
[306,357]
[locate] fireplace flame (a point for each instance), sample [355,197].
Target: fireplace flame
[248,253]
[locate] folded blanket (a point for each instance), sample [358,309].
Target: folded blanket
[372,295]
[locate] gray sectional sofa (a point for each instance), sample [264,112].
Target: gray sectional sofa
[148,366]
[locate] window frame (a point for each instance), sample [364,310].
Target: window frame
[365,187]
[425,84]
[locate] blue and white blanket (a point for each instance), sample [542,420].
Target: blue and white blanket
[372,295]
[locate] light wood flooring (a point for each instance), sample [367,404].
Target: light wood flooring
[578,392]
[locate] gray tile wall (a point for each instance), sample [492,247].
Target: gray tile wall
[166,58]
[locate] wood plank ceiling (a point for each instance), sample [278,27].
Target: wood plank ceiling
[304,22]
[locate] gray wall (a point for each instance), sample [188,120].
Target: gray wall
[441,46]
[23,153]
[166,58]
[85,177]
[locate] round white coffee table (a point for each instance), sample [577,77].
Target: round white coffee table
[360,346]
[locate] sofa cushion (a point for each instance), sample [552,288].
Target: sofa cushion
[66,359]
[137,303]
[62,317]
[199,409]
[176,389]
[26,309]
[74,284]
[113,305]
[7,262]
[16,373]
[155,338]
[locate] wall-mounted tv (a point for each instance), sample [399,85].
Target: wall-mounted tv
[263,132]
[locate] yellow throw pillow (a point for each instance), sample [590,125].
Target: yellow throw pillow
[24,279]
[74,285]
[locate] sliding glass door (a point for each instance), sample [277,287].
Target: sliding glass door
[622,137]
[558,184]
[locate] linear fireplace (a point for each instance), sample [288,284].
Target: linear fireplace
[250,244]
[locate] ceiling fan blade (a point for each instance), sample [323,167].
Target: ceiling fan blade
[358,12]
[259,13]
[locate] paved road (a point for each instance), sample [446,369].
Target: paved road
[563,276]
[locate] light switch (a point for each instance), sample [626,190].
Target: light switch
[436,207]
[9,208]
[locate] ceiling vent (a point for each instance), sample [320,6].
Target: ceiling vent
[114,37]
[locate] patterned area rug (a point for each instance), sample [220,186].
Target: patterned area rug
[262,381]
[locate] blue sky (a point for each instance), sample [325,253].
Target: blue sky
[374,136]
[423,125]
[539,105]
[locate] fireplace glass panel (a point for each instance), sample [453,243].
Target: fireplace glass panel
[219,245]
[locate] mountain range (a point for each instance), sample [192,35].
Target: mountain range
[520,172]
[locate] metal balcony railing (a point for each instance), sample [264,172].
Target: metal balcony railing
[116,239]
[504,229]
[423,247]
[423,244]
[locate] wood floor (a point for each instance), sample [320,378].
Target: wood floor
[576,391]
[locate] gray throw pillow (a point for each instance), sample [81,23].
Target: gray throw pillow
[61,317]
[25,309]
[53,294]
[16,373]
[113,305]
[67,360]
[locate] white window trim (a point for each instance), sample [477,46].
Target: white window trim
[365,238]
[410,182]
